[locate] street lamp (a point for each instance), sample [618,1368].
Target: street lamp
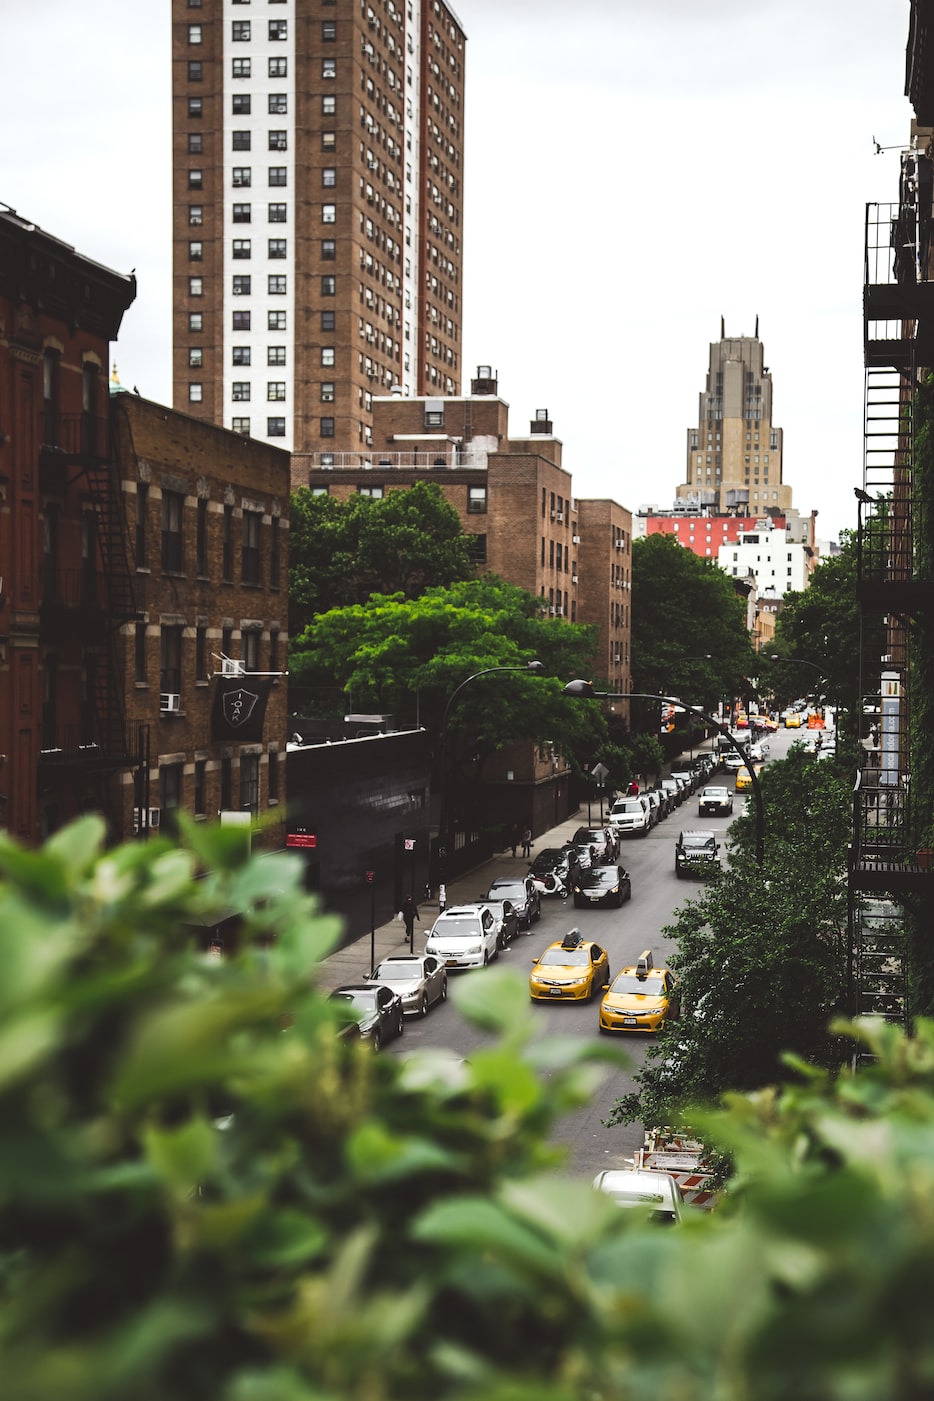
[533,667]
[585,690]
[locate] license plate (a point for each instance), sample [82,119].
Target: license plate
[629,1021]
[555,992]
[595,899]
[451,963]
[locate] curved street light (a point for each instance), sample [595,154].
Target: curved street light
[585,690]
[533,667]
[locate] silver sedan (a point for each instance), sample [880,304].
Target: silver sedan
[419,979]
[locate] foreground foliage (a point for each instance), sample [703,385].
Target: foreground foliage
[205,1193]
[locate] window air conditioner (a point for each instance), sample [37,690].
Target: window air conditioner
[155,817]
[551,611]
[617,658]
[560,517]
[553,515]
[575,539]
[573,578]
[169,702]
[560,612]
[232,666]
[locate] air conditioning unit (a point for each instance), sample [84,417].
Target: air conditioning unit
[573,578]
[232,666]
[551,611]
[621,544]
[553,515]
[153,815]
[560,612]
[560,517]
[575,539]
[169,702]
[617,658]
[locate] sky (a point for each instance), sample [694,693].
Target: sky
[635,170]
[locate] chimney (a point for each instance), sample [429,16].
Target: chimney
[486,382]
[541,423]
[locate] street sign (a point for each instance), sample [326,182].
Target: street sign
[409,843]
[600,772]
[304,839]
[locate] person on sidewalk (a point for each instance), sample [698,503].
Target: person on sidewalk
[514,837]
[409,916]
[527,842]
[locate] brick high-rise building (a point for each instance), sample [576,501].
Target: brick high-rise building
[318,190]
[734,455]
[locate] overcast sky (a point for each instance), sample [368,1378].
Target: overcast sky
[635,170]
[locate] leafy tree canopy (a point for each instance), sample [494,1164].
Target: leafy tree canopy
[686,607]
[342,551]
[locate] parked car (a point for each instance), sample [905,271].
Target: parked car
[655,1193]
[553,869]
[675,791]
[505,917]
[697,853]
[685,769]
[629,817]
[662,799]
[715,799]
[573,968]
[600,837]
[377,1011]
[421,980]
[654,801]
[733,762]
[464,936]
[521,891]
[602,885]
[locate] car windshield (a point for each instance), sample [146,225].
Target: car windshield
[628,982]
[716,792]
[516,893]
[361,998]
[628,805]
[394,972]
[568,958]
[695,843]
[455,928]
[551,856]
[601,875]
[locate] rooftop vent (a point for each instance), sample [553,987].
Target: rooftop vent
[486,381]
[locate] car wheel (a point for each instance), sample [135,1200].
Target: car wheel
[486,958]
[444,991]
[400,1025]
[619,900]
[376,1039]
[423,1005]
[538,914]
[644,832]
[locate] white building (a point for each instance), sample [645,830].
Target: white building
[774,561]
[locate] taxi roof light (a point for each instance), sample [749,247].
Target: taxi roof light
[572,939]
[644,964]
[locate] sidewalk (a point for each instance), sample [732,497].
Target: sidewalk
[351,963]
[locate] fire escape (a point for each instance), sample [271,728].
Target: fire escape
[895,587]
[82,610]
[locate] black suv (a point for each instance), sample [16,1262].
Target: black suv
[696,854]
[526,900]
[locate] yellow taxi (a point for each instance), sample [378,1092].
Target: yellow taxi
[793,720]
[573,968]
[641,998]
[744,777]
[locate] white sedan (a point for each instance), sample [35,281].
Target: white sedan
[419,979]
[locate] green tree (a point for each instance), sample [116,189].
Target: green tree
[340,552]
[761,954]
[686,607]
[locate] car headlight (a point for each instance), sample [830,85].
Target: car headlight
[474,948]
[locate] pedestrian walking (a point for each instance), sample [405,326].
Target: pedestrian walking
[409,916]
[633,789]
[527,842]
[514,837]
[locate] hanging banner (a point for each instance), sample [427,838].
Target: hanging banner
[240,707]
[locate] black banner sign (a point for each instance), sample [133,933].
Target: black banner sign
[240,707]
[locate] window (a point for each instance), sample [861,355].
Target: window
[327,428]
[196,251]
[195,214]
[328,31]
[329,140]
[275,560]
[275,390]
[329,213]
[329,176]
[195,287]
[195,180]
[276,284]
[275,428]
[241,67]
[278,175]
[142,519]
[476,500]
[200,785]
[277,213]
[173,506]
[275,355]
[327,321]
[278,29]
[195,143]
[139,654]
[376,492]
[249,783]
[240,31]
[170,794]
[328,249]
[328,285]
[278,104]
[476,549]
[196,321]
[278,68]
[242,213]
[240,425]
[329,105]
[273,778]
[329,68]
[240,391]
[242,286]
[327,392]
[195,106]
[276,248]
[242,177]
[201,541]
[195,357]
[241,355]
[275,320]
[327,355]
[194,72]
[194,33]
[241,320]
[241,248]
[250,561]
[241,140]
[278,140]
[227,554]
[241,104]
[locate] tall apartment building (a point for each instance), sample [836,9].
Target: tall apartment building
[734,455]
[317,228]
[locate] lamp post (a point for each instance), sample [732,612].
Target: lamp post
[585,690]
[533,667]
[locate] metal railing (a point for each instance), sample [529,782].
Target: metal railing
[446,457]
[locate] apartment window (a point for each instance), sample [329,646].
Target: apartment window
[249,783]
[142,520]
[173,507]
[275,560]
[277,175]
[327,355]
[241,426]
[241,104]
[242,177]
[195,180]
[275,428]
[275,355]
[278,104]
[139,654]
[170,794]
[327,428]
[275,390]
[196,251]
[242,285]
[327,320]
[276,284]
[201,538]
[328,285]
[329,176]
[241,355]
[278,140]
[376,492]
[276,248]
[278,68]
[328,31]
[242,213]
[240,391]
[241,140]
[195,214]
[195,143]
[273,778]
[328,250]
[329,68]
[241,320]
[194,33]
[200,787]
[476,549]
[329,140]
[242,248]
[195,72]
[196,321]
[277,213]
[195,287]
[227,551]
[195,357]
[329,213]
[240,31]
[476,500]
[278,29]
[275,320]
[241,67]
[195,106]
[327,392]
[329,105]
[250,565]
